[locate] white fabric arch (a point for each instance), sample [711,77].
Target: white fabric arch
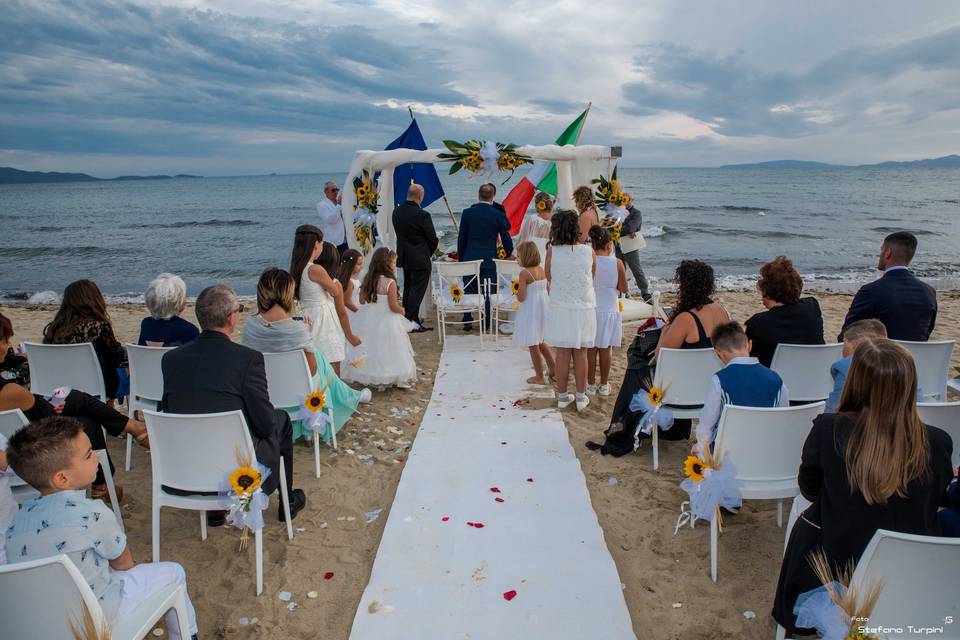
[574,168]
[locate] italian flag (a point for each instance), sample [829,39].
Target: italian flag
[541,177]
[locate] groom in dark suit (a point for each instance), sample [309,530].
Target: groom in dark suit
[416,242]
[905,305]
[480,226]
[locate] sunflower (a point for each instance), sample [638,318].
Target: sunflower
[615,232]
[620,306]
[245,480]
[314,401]
[542,205]
[515,287]
[456,292]
[655,396]
[362,191]
[693,468]
[501,252]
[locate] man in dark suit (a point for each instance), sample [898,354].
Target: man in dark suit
[214,374]
[416,242]
[480,226]
[905,305]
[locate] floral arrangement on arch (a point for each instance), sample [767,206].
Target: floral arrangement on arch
[483,157]
[612,201]
[365,211]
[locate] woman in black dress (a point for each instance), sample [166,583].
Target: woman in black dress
[872,465]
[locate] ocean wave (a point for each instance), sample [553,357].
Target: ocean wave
[215,222]
[72,251]
[916,232]
[722,207]
[654,231]
[951,201]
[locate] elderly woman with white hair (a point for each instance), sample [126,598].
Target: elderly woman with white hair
[166,298]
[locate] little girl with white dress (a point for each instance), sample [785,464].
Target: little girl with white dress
[348,274]
[609,281]
[531,317]
[387,357]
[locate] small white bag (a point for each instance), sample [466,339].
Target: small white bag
[628,244]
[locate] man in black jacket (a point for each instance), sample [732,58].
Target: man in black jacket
[214,374]
[905,305]
[416,243]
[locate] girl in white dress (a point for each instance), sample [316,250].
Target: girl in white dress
[531,317]
[348,274]
[609,281]
[572,319]
[387,357]
[320,296]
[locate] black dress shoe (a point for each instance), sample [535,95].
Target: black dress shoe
[298,500]
[422,329]
[467,328]
[216,518]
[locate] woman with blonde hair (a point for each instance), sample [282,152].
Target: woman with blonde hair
[872,465]
[583,199]
[536,228]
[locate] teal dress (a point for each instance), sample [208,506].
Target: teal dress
[291,335]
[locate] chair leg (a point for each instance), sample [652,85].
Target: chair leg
[258,544]
[713,548]
[781,633]
[656,447]
[155,525]
[203,525]
[316,452]
[129,464]
[780,513]
[111,486]
[285,499]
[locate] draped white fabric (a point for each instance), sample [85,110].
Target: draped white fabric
[574,168]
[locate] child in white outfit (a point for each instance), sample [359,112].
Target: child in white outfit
[609,281]
[531,317]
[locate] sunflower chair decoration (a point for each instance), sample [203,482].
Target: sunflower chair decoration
[515,291]
[837,609]
[501,251]
[365,211]
[711,484]
[483,157]
[650,404]
[612,201]
[456,292]
[311,411]
[241,495]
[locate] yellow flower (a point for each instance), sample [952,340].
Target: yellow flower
[620,306]
[315,401]
[456,292]
[693,468]
[655,396]
[542,205]
[244,480]
[501,252]
[515,287]
[356,364]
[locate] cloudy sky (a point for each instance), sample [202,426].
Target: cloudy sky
[227,87]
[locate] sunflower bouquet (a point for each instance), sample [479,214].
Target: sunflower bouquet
[242,496]
[363,232]
[365,211]
[311,411]
[612,200]
[480,156]
[650,403]
[839,608]
[367,195]
[711,484]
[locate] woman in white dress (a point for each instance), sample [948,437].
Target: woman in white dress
[609,282]
[536,228]
[320,296]
[387,358]
[572,320]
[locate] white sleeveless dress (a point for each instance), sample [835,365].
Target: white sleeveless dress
[572,317]
[320,307]
[386,356]
[609,320]
[531,317]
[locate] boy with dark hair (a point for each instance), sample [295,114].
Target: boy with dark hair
[742,381]
[54,456]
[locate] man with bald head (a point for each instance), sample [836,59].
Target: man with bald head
[416,242]
[331,222]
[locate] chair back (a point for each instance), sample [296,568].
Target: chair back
[933,365]
[764,444]
[684,375]
[12,421]
[805,369]
[920,587]
[288,378]
[945,415]
[507,272]
[146,373]
[462,274]
[65,365]
[40,599]
[194,452]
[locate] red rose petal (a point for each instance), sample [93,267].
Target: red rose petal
[445,519]
[498,499]
[529,479]
[328,575]
[470,524]
[478,525]
[503,443]
[509,595]
[494,490]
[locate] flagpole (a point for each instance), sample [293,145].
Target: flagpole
[456,227]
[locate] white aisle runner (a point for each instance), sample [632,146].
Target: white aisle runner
[538,566]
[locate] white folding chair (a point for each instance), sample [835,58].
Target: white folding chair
[684,377]
[933,366]
[503,299]
[764,446]
[463,275]
[194,452]
[12,421]
[41,598]
[146,383]
[805,369]
[288,382]
[945,415]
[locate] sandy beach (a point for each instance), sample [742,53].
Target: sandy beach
[340,529]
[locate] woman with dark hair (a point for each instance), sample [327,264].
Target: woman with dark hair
[83,317]
[13,366]
[587,210]
[872,465]
[789,319]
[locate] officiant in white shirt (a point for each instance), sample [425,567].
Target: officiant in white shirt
[331,222]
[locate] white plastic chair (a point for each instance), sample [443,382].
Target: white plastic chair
[146,383]
[684,376]
[288,382]
[764,445]
[933,366]
[945,415]
[194,452]
[501,300]
[41,598]
[805,369]
[65,365]
[462,274]
[12,421]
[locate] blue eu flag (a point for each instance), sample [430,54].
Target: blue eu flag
[422,173]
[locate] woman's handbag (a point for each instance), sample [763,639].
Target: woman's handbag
[629,245]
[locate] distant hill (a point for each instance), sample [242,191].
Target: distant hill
[945,161]
[9,175]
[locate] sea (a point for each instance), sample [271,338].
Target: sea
[830,222]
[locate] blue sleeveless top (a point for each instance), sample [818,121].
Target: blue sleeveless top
[750,385]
